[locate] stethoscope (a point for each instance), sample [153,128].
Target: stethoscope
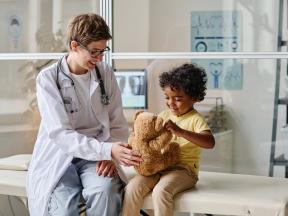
[105,100]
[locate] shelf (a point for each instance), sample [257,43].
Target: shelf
[280,161]
[284,128]
[222,133]
[17,128]
[283,101]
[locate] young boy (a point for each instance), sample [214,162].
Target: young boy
[183,87]
[83,131]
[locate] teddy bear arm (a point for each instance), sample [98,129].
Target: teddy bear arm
[131,139]
[160,142]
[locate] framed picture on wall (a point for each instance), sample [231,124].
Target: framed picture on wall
[218,31]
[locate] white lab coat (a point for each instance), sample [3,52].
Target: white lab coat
[58,142]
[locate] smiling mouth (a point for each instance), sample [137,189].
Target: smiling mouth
[92,63]
[174,110]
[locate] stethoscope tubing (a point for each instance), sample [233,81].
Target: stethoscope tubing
[105,100]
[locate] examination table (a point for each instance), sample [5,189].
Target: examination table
[215,193]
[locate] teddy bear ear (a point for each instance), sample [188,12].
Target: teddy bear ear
[137,113]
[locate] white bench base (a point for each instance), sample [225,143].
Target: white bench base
[215,193]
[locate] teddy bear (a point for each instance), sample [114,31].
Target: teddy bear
[153,142]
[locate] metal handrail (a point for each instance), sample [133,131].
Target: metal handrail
[158,55]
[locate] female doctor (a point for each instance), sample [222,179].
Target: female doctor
[83,132]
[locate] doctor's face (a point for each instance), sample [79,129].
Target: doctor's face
[92,53]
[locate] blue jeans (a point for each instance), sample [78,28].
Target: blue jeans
[102,195]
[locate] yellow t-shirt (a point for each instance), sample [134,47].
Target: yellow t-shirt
[190,153]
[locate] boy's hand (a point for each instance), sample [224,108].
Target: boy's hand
[173,128]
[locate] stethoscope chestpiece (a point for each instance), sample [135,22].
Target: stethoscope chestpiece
[105,99]
[72,111]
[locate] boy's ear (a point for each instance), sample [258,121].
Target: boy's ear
[196,100]
[137,113]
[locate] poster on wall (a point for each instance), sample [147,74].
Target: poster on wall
[218,31]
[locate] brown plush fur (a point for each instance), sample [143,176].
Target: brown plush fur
[152,140]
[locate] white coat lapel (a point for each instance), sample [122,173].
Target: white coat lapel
[94,83]
[67,88]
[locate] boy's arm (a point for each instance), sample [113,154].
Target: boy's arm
[205,139]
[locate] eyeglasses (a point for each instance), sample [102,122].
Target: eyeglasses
[95,52]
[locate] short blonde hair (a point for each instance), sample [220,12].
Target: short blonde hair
[87,28]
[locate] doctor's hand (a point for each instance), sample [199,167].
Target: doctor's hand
[106,168]
[125,155]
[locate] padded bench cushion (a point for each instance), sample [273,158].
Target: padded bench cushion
[13,182]
[230,194]
[215,193]
[15,162]
[233,194]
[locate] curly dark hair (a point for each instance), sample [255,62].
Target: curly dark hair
[188,77]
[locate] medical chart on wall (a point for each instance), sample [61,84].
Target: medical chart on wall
[218,31]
